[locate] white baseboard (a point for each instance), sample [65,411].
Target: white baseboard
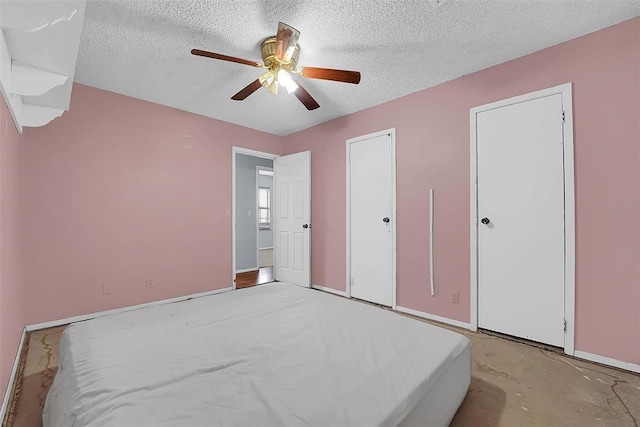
[89,316]
[633,367]
[330,290]
[246,270]
[628,366]
[435,317]
[12,378]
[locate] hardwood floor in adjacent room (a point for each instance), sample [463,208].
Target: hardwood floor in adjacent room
[253,278]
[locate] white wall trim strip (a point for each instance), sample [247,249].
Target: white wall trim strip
[628,366]
[330,290]
[12,378]
[431,263]
[89,316]
[434,317]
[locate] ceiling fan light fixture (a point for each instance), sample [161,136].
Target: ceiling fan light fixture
[266,79]
[273,86]
[284,78]
[269,81]
[280,56]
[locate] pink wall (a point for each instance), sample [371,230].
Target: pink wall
[11,285]
[119,190]
[433,152]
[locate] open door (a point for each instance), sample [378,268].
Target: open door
[293,219]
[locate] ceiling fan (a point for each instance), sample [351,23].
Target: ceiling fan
[280,56]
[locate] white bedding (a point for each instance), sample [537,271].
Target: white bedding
[273,355]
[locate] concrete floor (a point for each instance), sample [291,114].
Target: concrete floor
[512,384]
[515,384]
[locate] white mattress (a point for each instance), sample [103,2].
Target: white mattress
[273,355]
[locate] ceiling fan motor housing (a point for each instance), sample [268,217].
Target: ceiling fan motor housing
[268,51]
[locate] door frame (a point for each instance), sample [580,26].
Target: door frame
[569,204]
[249,152]
[272,170]
[392,133]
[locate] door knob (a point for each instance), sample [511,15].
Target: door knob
[485,221]
[306,225]
[385,219]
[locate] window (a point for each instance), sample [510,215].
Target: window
[264,208]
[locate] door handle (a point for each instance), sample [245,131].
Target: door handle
[306,225]
[385,219]
[485,221]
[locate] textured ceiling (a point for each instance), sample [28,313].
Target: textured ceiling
[141,48]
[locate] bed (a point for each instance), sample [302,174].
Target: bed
[273,355]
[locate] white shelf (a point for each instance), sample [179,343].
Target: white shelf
[39,41]
[30,15]
[27,80]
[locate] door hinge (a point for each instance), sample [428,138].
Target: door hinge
[350,282]
[563,117]
[565,325]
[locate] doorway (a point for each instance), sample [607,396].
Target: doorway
[284,209]
[249,219]
[371,218]
[522,226]
[266,222]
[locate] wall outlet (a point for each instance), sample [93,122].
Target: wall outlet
[455,297]
[106,290]
[149,284]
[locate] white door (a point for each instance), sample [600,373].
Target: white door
[371,218]
[521,220]
[293,218]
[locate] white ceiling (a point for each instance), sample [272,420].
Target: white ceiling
[141,48]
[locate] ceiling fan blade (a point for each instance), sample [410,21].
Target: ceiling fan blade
[199,52]
[304,97]
[286,41]
[248,90]
[330,74]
